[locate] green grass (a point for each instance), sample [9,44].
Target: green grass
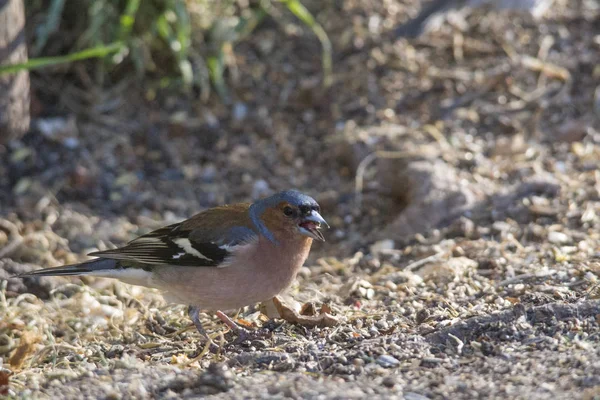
[177,42]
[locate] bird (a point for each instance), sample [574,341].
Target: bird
[432,15]
[223,258]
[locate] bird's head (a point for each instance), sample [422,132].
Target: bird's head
[288,214]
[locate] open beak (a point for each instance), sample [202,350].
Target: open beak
[311,225]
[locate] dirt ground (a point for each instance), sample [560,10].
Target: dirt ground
[459,171]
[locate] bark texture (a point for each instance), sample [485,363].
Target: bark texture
[14,88]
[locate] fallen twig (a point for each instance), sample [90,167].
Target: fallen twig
[419,263]
[525,277]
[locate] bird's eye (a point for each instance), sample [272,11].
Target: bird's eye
[289,211]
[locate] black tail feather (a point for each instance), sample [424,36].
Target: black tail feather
[74,269]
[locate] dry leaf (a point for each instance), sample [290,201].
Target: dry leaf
[4,383]
[245,323]
[26,346]
[325,309]
[291,315]
[308,309]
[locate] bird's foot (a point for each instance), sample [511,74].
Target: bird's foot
[194,314]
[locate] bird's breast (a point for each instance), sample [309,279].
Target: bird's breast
[255,272]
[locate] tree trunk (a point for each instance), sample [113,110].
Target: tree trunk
[14,88]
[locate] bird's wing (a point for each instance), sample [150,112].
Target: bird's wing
[205,240]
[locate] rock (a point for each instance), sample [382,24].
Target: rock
[569,131]
[509,145]
[414,396]
[382,246]
[389,381]
[555,237]
[447,271]
[240,111]
[260,189]
[387,361]
[60,129]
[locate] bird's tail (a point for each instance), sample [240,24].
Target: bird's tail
[86,268]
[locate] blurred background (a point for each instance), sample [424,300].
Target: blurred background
[400,117]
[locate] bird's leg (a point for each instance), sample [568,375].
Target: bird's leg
[243,333]
[194,314]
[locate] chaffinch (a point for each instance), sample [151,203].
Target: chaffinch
[223,258]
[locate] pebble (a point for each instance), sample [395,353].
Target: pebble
[414,396]
[260,189]
[71,143]
[590,276]
[391,285]
[358,362]
[389,381]
[387,361]
[382,324]
[558,237]
[209,173]
[382,246]
[240,111]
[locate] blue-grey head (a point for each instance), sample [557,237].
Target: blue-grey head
[288,213]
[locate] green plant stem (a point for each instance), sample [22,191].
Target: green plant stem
[41,62]
[298,9]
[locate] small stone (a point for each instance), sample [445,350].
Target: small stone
[71,143]
[209,173]
[519,287]
[414,396]
[501,226]
[358,362]
[260,189]
[501,302]
[387,361]
[382,246]
[240,110]
[569,131]
[391,285]
[558,237]
[449,270]
[370,293]
[389,381]
[382,324]
[589,276]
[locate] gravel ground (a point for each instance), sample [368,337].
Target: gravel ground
[459,172]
